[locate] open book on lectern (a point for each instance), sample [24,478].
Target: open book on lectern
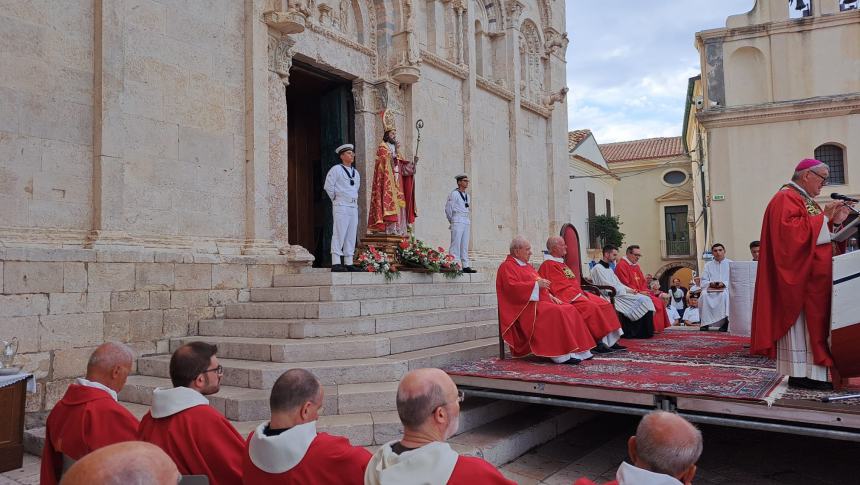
[848,230]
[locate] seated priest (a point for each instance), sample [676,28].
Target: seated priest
[181,422]
[88,417]
[637,309]
[428,404]
[599,314]
[531,320]
[630,274]
[714,302]
[288,448]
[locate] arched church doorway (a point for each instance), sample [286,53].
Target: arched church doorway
[320,117]
[681,270]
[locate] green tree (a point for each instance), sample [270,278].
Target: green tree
[606,229]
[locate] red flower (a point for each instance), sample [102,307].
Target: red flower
[449,257]
[404,244]
[440,249]
[371,269]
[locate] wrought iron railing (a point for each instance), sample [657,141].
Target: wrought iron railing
[676,248]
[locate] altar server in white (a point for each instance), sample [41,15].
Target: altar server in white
[714,302]
[457,212]
[341,185]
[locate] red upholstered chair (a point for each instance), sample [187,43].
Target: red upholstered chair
[573,260]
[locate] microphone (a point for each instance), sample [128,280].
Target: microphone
[836,196]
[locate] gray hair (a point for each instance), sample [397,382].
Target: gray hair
[414,410]
[109,355]
[799,173]
[518,242]
[669,455]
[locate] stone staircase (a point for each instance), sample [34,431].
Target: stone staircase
[359,336]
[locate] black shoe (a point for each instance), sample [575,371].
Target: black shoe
[352,268]
[572,361]
[468,270]
[724,328]
[703,328]
[807,383]
[601,349]
[618,347]
[338,268]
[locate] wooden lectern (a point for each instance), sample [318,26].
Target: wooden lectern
[845,315]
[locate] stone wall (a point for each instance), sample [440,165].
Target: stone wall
[62,303]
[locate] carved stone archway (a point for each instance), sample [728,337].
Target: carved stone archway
[663,274]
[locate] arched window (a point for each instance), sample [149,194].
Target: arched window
[834,157]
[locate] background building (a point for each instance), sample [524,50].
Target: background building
[654,198]
[774,90]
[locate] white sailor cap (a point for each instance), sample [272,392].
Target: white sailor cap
[461,177]
[344,147]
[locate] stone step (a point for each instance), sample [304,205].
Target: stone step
[261,375]
[406,277]
[366,292]
[334,327]
[328,348]
[449,354]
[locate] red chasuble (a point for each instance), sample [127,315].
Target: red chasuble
[598,313]
[84,420]
[631,275]
[794,274]
[200,441]
[540,327]
[473,471]
[387,194]
[329,459]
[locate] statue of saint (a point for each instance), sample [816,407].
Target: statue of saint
[392,196]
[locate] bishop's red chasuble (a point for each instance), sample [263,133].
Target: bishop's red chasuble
[599,314]
[631,275]
[326,459]
[794,274]
[200,441]
[84,420]
[540,327]
[470,470]
[390,192]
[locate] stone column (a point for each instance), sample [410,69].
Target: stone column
[512,42]
[365,143]
[280,60]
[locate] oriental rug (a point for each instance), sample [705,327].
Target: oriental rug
[741,383]
[702,348]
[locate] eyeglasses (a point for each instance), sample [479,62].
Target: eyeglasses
[217,370]
[823,178]
[461,396]
[638,255]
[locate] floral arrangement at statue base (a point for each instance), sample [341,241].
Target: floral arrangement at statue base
[373,261]
[414,253]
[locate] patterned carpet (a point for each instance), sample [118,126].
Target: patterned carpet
[673,363]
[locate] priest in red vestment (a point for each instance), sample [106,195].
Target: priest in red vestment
[428,404]
[198,438]
[288,448]
[531,320]
[88,417]
[392,191]
[629,272]
[599,314]
[791,307]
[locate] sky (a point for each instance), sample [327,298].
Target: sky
[628,62]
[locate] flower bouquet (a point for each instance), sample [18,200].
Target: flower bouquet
[414,253]
[374,261]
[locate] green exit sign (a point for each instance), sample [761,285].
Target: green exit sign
[719,197]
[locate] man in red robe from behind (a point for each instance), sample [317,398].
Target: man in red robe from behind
[198,438]
[629,272]
[288,448]
[428,404]
[88,417]
[599,314]
[531,320]
[791,307]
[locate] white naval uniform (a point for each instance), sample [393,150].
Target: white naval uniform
[344,199]
[714,305]
[457,212]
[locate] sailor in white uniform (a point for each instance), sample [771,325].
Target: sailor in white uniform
[457,212]
[341,185]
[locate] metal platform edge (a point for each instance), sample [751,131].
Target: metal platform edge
[834,424]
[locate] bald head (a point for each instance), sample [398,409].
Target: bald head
[110,365]
[556,247]
[666,443]
[127,463]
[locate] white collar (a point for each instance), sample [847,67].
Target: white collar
[519,262]
[96,385]
[628,474]
[167,402]
[281,453]
[550,257]
[800,189]
[432,463]
[631,262]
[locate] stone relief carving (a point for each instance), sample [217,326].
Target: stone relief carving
[514,9]
[388,96]
[555,42]
[531,58]
[413,54]
[556,97]
[281,57]
[325,16]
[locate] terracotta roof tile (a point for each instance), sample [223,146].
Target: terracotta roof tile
[646,149]
[575,137]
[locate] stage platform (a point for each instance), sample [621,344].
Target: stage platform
[708,377]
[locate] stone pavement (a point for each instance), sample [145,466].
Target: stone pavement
[595,448]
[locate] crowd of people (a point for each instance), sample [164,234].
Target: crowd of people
[91,438]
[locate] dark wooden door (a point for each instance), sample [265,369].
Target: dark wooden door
[334,132]
[12,425]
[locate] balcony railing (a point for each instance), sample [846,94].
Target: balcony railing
[676,249]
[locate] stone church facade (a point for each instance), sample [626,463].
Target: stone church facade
[158,158]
